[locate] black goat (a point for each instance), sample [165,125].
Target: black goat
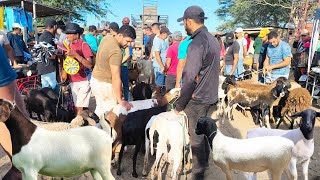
[141,91]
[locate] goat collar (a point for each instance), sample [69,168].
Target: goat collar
[211,134]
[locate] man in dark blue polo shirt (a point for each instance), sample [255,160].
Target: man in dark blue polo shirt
[200,79]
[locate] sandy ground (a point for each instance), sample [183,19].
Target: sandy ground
[236,129]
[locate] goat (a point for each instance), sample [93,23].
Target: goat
[172,130]
[133,132]
[302,138]
[263,99]
[249,155]
[141,91]
[297,100]
[65,153]
[117,115]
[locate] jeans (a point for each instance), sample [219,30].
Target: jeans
[238,72]
[88,72]
[125,82]
[159,77]
[49,80]
[199,145]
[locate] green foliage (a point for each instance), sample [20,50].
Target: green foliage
[79,8]
[252,13]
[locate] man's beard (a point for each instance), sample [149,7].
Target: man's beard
[188,30]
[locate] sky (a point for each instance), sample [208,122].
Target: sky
[173,8]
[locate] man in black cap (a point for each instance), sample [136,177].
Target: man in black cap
[200,79]
[232,56]
[47,68]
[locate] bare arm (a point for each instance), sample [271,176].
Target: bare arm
[10,54]
[286,62]
[245,51]
[235,63]
[168,63]
[180,67]
[158,58]
[116,81]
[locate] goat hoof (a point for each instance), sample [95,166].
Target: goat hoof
[118,172]
[135,175]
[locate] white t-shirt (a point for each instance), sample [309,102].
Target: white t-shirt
[3,38]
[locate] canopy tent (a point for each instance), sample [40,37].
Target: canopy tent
[38,10]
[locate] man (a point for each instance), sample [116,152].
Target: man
[182,56]
[149,43]
[106,81]
[4,42]
[246,36]
[17,43]
[9,91]
[302,53]
[160,48]
[114,28]
[125,21]
[91,39]
[80,51]
[278,59]
[47,67]
[60,35]
[172,61]
[257,47]
[100,36]
[127,55]
[200,83]
[242,52]
[232,56]
[145,35]
[263,51]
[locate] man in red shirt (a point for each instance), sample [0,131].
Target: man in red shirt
[80,51]
[246,36]
[172,61]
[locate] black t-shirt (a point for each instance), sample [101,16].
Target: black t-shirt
[231,50]
[263,54]
[50,66]
[149,45]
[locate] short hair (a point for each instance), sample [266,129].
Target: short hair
[156,25]
[127,31]
[272,34]
[198,21]
[92,28]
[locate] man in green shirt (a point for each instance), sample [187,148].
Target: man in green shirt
[100,36]
[257,47]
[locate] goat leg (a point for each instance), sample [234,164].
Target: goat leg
[120,158]
[134,170]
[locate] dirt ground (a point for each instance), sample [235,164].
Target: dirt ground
[235,129]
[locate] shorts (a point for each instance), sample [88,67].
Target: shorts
[170,82]
[159,77]
[81,93]
[256,58]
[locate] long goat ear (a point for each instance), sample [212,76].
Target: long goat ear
[297,115]
[5,110]
[318,114]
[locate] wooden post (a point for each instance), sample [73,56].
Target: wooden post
[34,3]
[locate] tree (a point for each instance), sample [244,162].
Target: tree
[253,13]
[79,8]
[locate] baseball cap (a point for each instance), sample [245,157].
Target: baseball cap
[177,35]
[264,32]
[114,26]
[16,25]
[239,30]
[229,37]
[50,22]
[125,20]
[92,28]
[304,32]
[165,30]
[73,28]
[193,12]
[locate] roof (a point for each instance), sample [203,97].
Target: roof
[42,10]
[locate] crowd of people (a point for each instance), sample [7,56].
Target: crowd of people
[191,63]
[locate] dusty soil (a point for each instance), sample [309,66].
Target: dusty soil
[236,129]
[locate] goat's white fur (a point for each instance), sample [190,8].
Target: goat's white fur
[302,150]
[251,155]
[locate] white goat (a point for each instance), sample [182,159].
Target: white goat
[248,155]
[172,130]
[66,153]
[302,137]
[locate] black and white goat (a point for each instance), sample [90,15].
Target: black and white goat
[66,153]
[302,138]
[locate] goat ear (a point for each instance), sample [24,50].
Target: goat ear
[318,114]
[296,115]
[5,110]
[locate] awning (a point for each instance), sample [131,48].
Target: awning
[42,10]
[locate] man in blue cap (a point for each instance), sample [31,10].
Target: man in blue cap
[200,79]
